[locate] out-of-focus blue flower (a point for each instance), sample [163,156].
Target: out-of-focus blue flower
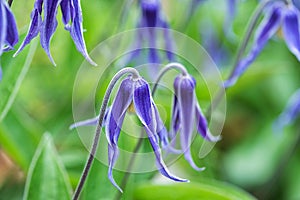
[290,113]
[278,13]
[185,114]
[136,92]
[71,17]
[8,29]
[152,17]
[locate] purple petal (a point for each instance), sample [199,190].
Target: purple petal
[150,11]
[34,27]
[202,126]
[49,25]
[114,123]
[186,101]
[119,107]
[169,43]
[291,30]
[66,9]
[76,31]
[12,36]
[175,122]
[159,161]
[146,113]
[160,128]
[3,26]
[88,122]
[296,4]
[113,154]
[290,113]
[265,31]
[142,102]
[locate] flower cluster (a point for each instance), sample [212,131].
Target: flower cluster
[135,92]
[72,19]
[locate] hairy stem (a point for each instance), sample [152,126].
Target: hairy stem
[91,157]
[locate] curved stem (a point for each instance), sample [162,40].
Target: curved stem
[91,157]
[168,67]
[241,50]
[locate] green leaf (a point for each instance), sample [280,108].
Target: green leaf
[47,178]
[13,75]
[191,191]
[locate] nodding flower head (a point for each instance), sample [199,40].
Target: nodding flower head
[71,17]
[8,29]
[290,113]
[186,114]
[152,17]
[134,92]
[278,14]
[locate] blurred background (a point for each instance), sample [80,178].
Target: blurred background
[251,156]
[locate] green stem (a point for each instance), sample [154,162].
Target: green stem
[91,157]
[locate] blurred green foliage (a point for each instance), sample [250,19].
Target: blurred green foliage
[250,156]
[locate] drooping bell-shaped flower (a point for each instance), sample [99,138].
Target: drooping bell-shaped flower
[278,15]
[8,29]
[136,92]
[186,114]
[152,17]
[46,26]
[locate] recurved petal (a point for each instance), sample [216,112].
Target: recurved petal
[265,31]
[159,161]
[113,154]
[34,28]
[49,25]
[76,31]
[12,36]
[202,126]
[291,30]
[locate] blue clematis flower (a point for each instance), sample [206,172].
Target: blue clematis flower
[138,93]
[185,114]
[71,17]
[134,92]
[151,18]
[8,29]
[290,113]
[278,14]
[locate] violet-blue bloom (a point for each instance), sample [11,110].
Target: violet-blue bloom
[8,29]
[136,92]
[71,17]
[290,113]
[152,17]
[278,14]
[186,114]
